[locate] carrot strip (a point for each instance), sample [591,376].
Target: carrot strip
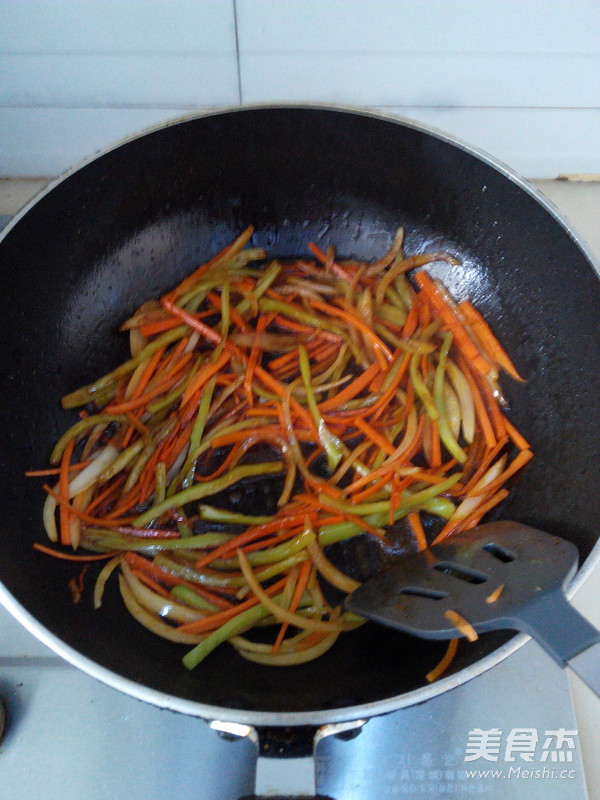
[216,620]
[485,463]
[521,459]
[221,257]
[42,473]
[324,259]
[351,390]
[279,389]
[496,416]
[515,435]
[160,326]
[473,519]
[461,624]
[410,326]
[381,350]
[414,520]
[455,526]
[70,557]
[360,521]
[167,382]
[102,522]
[255,354]
[141,564]
[480,410]
[224,466]
[451,321]
[485,333]
[151,584]
[110,488]
[249,535]
[235,315]
[209,333]
[445,662]
[202,377]
[370,490]
[493,596]
[305,570]
[374,436]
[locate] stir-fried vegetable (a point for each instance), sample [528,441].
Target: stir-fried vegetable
[367,394]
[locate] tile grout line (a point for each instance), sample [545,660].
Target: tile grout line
[237,51]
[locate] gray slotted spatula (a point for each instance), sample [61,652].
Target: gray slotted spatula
[461,574]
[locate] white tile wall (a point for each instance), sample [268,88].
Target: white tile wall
[520,79]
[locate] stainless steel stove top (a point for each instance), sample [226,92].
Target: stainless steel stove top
[68,736]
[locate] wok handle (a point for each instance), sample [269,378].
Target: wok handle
[587,666]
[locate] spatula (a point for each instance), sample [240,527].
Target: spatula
[498,575]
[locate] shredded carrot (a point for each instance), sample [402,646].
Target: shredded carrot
[414,520]
[461,624]
[445,662]
[515,435]
[42,473]
[324,259]
[203,376]
[451,321]
[217,619]
[374,435]
[493,596]
[335,366]
[486,335]
[305,570]
[70,557]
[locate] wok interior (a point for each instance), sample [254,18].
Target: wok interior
[136,220]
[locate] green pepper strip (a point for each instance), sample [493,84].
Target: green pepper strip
[413,500]
[450,443]
[185,530]
[103,540]
[421,389]
[244,620]
[330,442]
[197,492]
[212,514]
[79,428]
[404,290]
[203,579]
[186,474]
[294,312]
[86,393]
[191,598]
[179,389]
[160,483]
[271,272]
[139,465]
[121,461]
[330,534]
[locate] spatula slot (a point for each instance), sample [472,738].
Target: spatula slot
[501,553]
[460,572]
[418,591]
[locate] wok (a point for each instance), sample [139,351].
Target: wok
[134,220]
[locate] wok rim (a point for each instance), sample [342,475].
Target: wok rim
[315,717]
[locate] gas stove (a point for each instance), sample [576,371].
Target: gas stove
[508,733]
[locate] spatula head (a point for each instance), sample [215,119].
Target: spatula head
[462,575]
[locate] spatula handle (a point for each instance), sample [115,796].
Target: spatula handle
[587,666]
[567,636]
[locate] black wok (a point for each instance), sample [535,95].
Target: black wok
[133,221]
